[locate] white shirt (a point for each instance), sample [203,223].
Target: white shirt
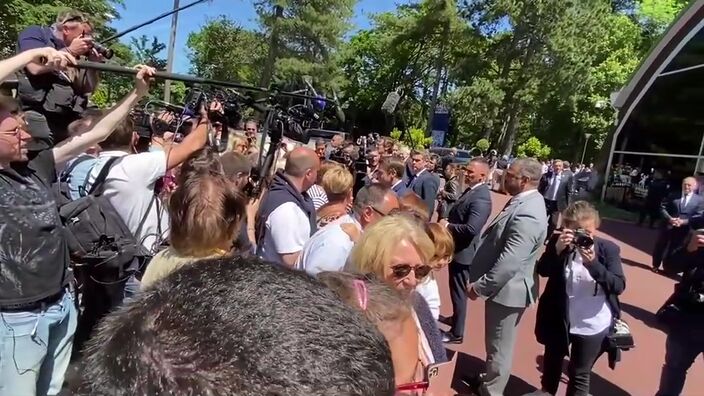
[396,184]
[328,248]
[286,231]
[589,313]
[130,189]
[431,293]
[551,192]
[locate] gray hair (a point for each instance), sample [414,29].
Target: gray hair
[372,195]
[529,168]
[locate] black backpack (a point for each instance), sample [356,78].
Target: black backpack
[98,238]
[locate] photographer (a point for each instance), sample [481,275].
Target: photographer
[51,98]
[683,314]
[580,302]
[37,305]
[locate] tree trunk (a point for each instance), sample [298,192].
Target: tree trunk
[511,130]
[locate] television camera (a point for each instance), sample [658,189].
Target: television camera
[286,114]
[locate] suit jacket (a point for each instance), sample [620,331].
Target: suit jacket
[426,185]
[552,323]
[466,220]
[564,190]
[504,261]
[399,188]
[672,207]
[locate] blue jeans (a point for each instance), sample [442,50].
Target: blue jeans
[35,348]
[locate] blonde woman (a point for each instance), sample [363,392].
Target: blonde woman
[444,247]
[205,212]
[580,302]
[317,192]
[337,183]
[399,251]
[238,144]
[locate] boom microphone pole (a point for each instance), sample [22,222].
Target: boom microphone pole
[164,15]
[106,67]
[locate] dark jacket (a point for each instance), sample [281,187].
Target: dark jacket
[466,220]
[400,188]
[426,185]
[564,190]
[687,312]
[280,192]
[429,327]
[552,321]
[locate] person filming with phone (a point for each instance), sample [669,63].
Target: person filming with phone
[51,98]
[580,305]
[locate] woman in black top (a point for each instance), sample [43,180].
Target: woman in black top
[580,301]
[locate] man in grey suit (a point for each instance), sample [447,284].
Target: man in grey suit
[503,270]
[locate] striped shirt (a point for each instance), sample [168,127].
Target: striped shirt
[317,194]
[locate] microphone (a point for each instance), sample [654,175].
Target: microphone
[389,105]
[339,114]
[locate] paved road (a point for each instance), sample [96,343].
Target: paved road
[637,374]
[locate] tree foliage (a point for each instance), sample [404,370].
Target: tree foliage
[309,34]
[223,50]
[414,138]
[533,147]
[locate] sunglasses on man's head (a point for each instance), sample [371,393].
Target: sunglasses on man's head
[401,271]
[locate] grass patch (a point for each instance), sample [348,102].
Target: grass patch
[609,211]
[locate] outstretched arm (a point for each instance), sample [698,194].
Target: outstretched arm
[49,57]
[75,145]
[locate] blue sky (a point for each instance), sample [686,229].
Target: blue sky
[241,11]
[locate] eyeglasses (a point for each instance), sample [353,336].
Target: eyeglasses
[401,271]
[382,214]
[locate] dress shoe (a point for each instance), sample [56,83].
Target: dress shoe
[449,338]
[446,320]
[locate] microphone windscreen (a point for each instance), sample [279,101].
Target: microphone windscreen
[391,102]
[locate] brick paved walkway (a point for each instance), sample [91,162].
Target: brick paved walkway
[637,374]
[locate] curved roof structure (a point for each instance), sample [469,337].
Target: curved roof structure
[661,122]
[688,20]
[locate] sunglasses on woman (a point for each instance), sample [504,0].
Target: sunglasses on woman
[401,271]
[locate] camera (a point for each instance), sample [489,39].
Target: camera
[106,52]
[582,239]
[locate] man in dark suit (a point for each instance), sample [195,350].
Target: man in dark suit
[556,188]
[465,222]
[677,211]
[423,182]
[390,174]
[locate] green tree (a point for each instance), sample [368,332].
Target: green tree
[223,50]
[402,50]
[309,35]
[483,145]
[414,138]
[533,147]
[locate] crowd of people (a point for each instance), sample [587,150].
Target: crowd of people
[149,263]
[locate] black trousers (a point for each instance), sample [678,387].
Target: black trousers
[458,279]
[683,346]
[668,240]
[584,351]
[551,208]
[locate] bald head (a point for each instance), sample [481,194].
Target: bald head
[689,185]
[300,160]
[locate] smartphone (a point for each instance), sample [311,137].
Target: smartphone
[439,377]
